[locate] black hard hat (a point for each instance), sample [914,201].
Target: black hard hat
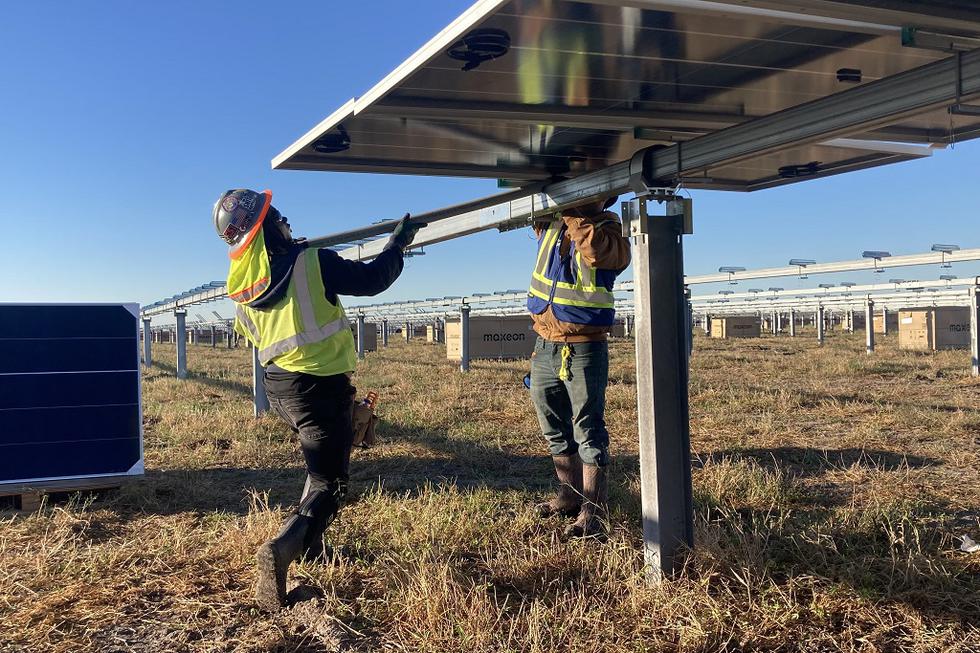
[238,215]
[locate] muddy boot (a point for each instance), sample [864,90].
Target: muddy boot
[301,531]
[568,499]
[593,512]
[272,562]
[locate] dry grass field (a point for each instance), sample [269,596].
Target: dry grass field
[830,491]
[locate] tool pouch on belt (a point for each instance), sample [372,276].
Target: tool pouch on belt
[363,421]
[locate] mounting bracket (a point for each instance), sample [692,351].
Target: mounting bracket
[636,216]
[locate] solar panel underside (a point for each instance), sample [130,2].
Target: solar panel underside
[584,85]
[69,392]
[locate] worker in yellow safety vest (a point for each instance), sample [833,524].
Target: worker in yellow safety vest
[287,306]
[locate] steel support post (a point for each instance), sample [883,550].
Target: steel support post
[850,320]
[360,336]
[820,325]
[689,321]
[214,337]
[707,324]
[662,384]
[869,327]
[147,342]
[884,321]
[384,333]
[975,330]
[181,339]
[229,336]
[464,338]
[627,327]
[408,331]
[792,323]
[260,400]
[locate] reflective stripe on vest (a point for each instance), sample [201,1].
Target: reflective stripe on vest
[583,293]
[310,333]
[290,333]
[247,322]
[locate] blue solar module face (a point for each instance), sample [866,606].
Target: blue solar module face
[69,391]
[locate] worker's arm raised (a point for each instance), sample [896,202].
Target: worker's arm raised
[344,277]
[600,240]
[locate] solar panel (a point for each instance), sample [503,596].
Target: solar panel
[69,392]
[530,90]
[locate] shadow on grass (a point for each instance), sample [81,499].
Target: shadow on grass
[888,554]
[815,399]
[900,555]
[897,556]
[435,458]
[808,462]
[812,400]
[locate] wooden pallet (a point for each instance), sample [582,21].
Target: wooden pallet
[27,498]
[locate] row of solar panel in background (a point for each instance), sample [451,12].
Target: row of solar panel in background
[187,293]
[69,391]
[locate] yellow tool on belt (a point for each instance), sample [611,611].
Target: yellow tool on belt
[564,373]
[363,421]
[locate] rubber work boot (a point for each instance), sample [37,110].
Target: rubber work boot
[301,534]
[273,559]
[593,512]
[568,500]
[322,514]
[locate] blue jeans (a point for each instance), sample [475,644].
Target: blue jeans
[572,412]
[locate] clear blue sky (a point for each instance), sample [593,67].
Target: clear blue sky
[121,122]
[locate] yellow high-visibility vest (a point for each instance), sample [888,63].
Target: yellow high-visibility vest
[303,332]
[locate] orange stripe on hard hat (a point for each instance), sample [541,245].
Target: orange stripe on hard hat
[252,290]
[235,253]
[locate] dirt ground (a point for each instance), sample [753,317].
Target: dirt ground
[831,490]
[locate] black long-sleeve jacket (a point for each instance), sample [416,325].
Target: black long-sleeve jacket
[340,277]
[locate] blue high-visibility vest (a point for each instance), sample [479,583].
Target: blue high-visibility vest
[577,292]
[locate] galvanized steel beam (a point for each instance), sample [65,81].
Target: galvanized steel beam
[662,387]
[260,400]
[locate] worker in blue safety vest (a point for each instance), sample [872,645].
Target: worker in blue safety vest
[287,306]
[571,304]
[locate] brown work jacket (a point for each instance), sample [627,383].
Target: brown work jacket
[602,247]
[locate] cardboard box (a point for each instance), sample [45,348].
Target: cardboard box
[744,326]
[492,337]
[932,329]
[434,334]
[892,322]
[417,332]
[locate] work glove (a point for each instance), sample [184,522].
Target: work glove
[404,233]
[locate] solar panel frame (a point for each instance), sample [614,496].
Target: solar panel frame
[427,117]
[49,323]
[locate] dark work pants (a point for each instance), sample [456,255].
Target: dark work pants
[571,412]
[318,409]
